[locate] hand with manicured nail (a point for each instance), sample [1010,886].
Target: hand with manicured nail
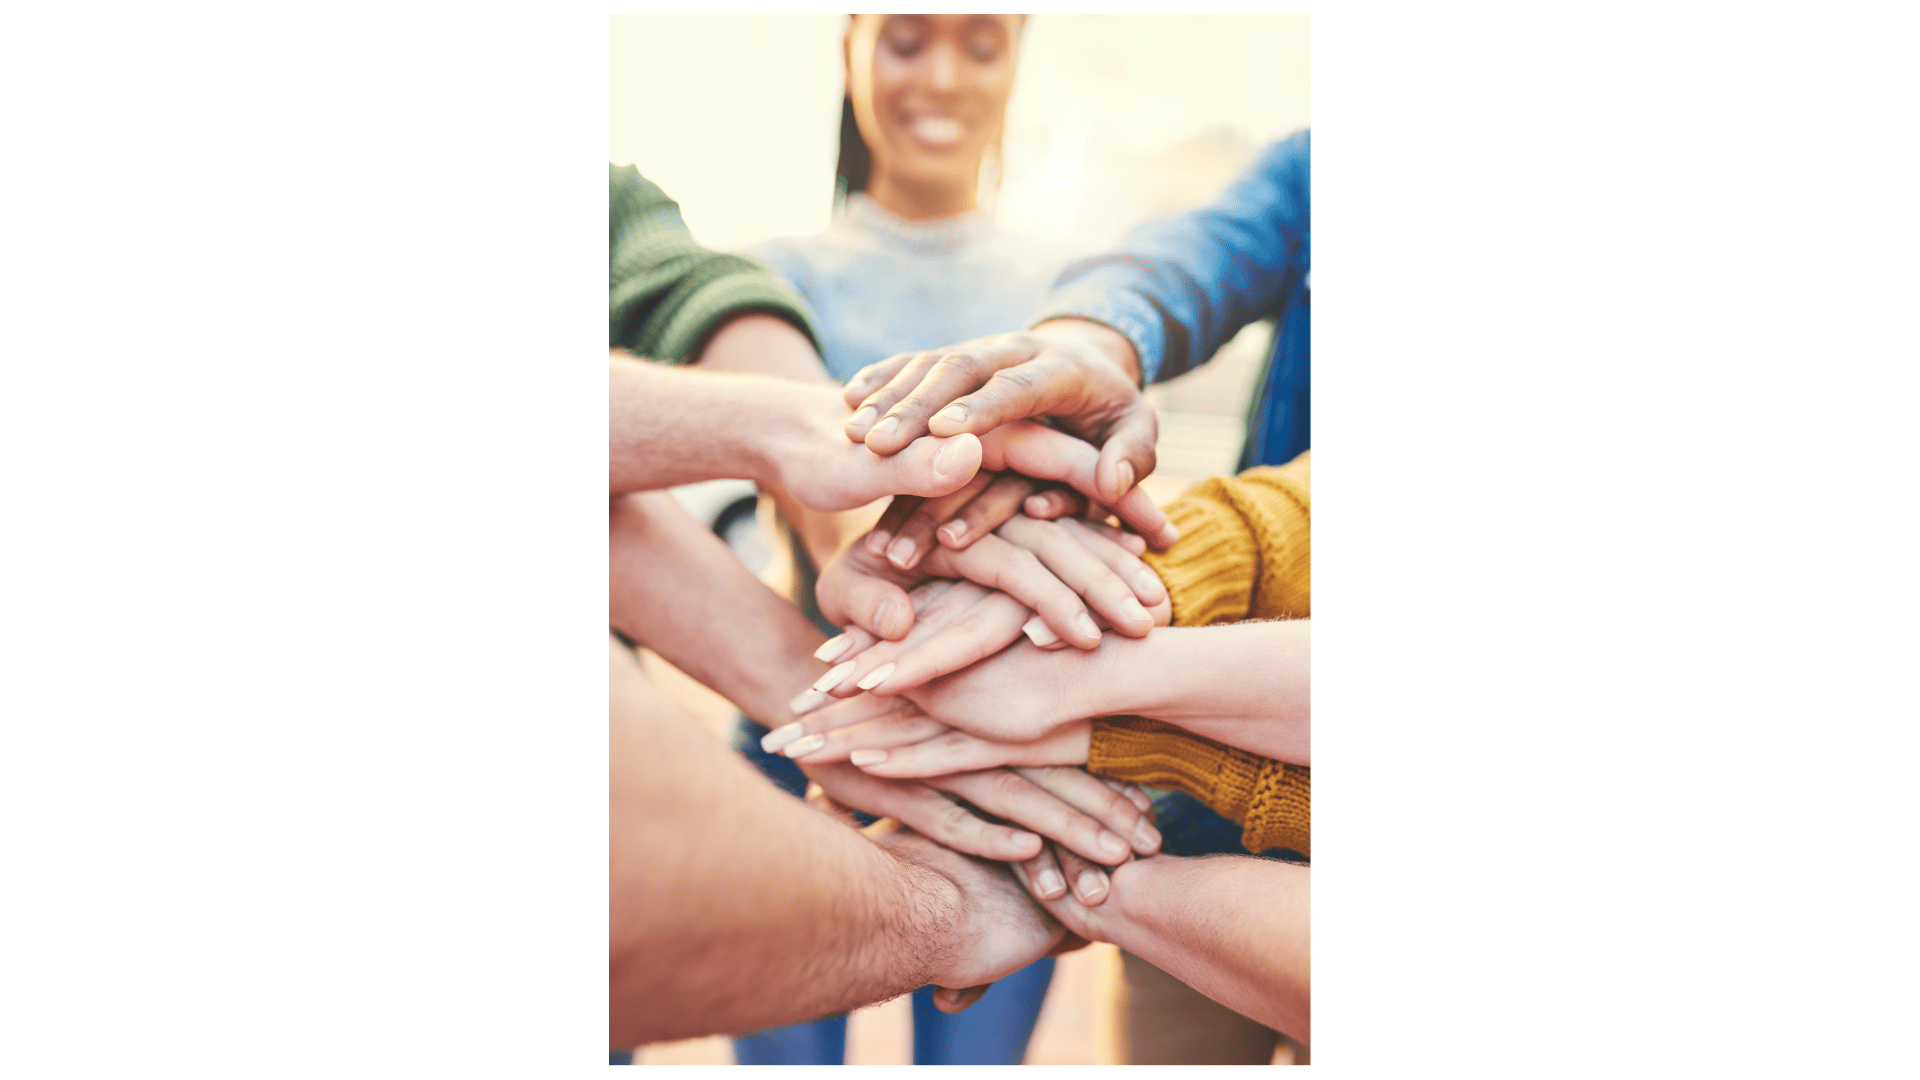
[1058,569]
[1083,373]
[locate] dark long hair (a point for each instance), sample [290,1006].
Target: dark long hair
[855,167]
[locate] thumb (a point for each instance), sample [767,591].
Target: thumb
[952,1001]
[1127,456]
[850,597]
[931,466]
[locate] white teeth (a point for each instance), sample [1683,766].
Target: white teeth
[938,129]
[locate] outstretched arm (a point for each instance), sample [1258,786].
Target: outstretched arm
[734,907]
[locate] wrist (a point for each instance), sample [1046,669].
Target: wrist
[1125,675]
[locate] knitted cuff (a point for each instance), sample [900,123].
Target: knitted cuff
[1211,571]
[1280,812]
[1151,752]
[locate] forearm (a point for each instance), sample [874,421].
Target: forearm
[1246,685]
[735,907]
[1237,929]
[675,588]
[671,426]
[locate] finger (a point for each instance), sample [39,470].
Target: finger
[957,371]
[1134,795]
[926,812]
[871,741]
[1089,882]
[927,466]
[849,642]
[1002,393]
[940,620]
[1045,454]
[1127,453]
[874,375]
[1132,542]
[853,594]
[1071,557]
[950,751]
[959,640]
[1041,875]
[897,512]
[1055,502]
[1008,795]
[913,536]
[806,734]
[992,508]
[1000,564]
[1085,793]
[885,389]
[953,1001]
[1147,586]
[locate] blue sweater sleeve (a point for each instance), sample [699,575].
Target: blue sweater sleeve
[1181,287]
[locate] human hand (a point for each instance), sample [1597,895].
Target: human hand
[1073,891]
[1046,566]
[1082,372]
[909,527]
[1001,928]
[814,463]
[1067,805]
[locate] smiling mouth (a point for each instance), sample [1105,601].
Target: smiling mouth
[938,131]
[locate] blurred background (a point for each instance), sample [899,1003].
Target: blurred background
[1114,120]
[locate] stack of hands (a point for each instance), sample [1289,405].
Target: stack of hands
[955,700]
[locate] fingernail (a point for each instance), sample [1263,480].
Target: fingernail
[1149,581]
[863,417]
[885,427]
[1110,845]
[1039,632]
[779,737]
[1139,798]
[1146,835]
[948,460]
[830,650]
[876,676]
[1050,884]
[901,552]
[877,541]
[806,703]
[834,677]
[1125,473]
[953,531]
[956,413]
[1168,536]
[806,746]
[885,616]
[1129,607]
[1090,885]
[1036,505]
[1086,626]
[867,757]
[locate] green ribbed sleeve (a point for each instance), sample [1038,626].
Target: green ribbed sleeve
[669,294]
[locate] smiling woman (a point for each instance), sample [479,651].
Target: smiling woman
[929,95]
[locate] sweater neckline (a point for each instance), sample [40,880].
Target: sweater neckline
[939,236]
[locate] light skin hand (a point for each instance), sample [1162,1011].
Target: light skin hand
[1248,947]
[1049,567]
[1082,372]
[1001,929]
[670,426]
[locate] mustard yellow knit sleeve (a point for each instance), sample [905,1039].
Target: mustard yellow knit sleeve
[1245,548]
[1245,552]
[1270,800]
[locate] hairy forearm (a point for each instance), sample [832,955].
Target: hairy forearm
[734,907]
[1235,928]
[671,426]
[675,588]
[1246,685]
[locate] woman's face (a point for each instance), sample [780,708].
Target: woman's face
[930,92]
